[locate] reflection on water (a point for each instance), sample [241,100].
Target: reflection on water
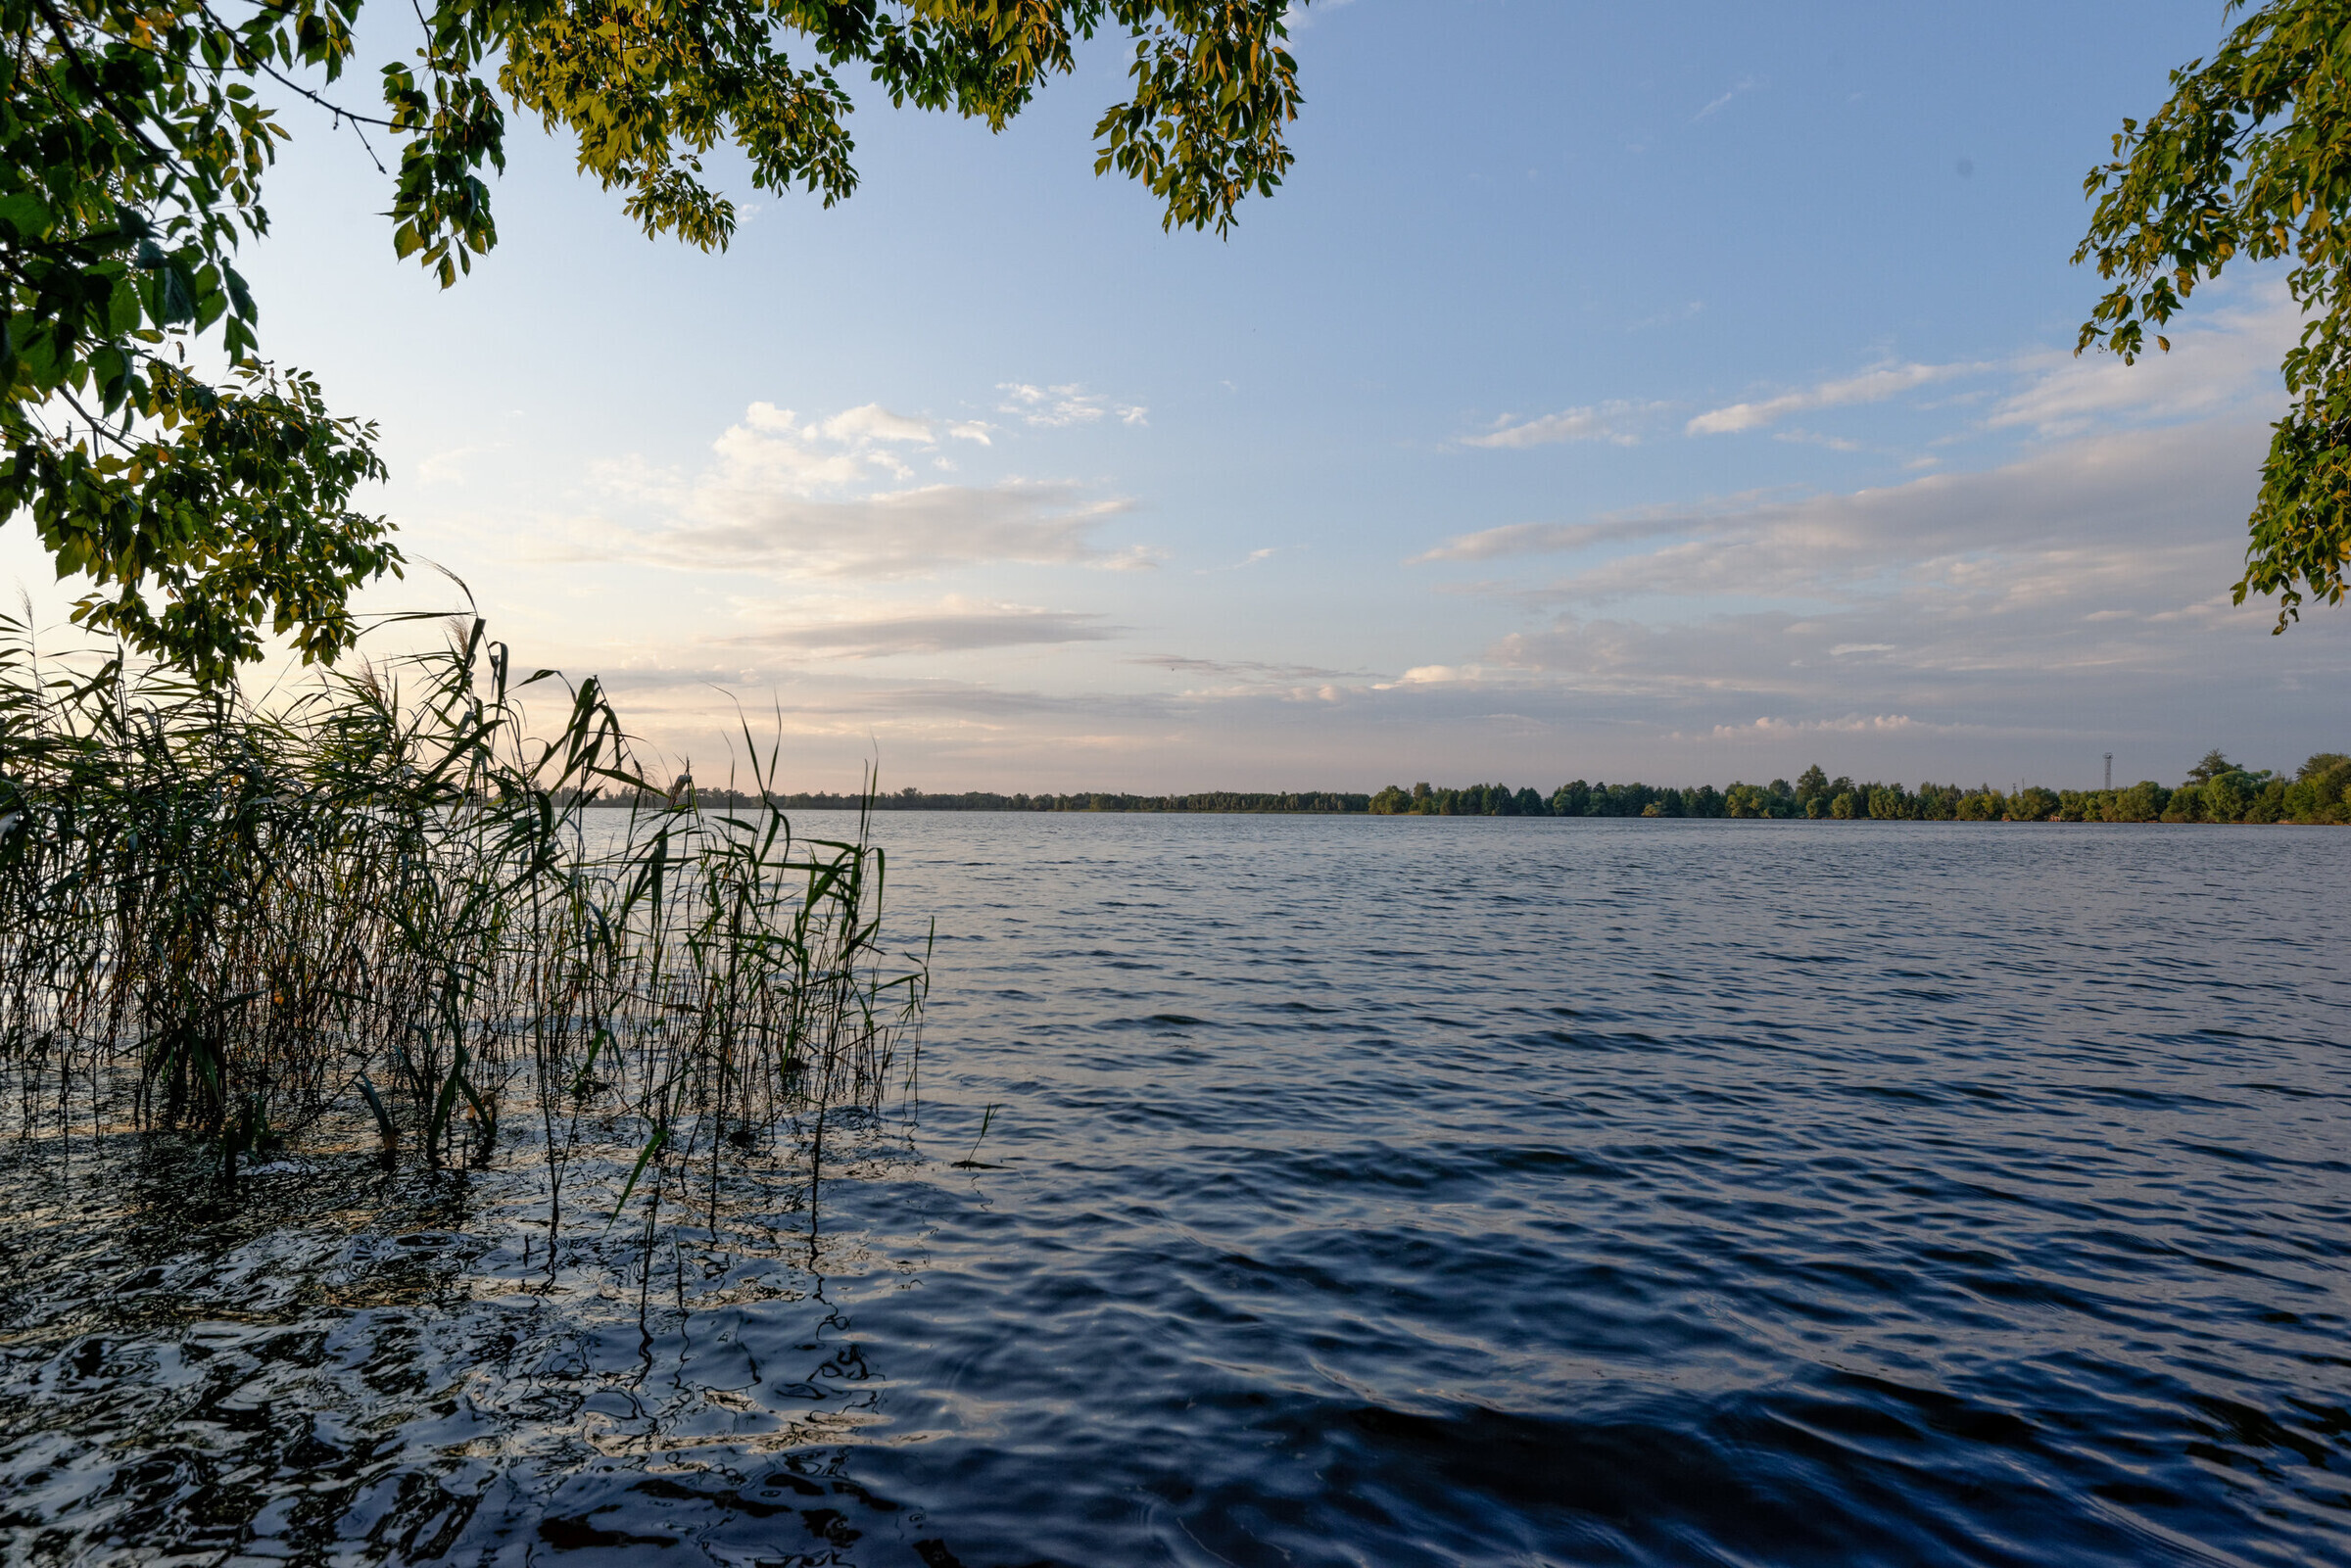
[338,1363]
[1368,1192]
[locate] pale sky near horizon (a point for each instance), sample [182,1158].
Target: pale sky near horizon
[1674,390]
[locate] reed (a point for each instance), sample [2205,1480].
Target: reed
[225,918]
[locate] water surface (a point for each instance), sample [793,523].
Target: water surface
[1359,1191]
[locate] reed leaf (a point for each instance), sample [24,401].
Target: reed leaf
[227,915]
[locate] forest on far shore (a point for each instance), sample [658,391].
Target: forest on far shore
[2216,789]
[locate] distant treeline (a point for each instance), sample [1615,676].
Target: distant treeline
[1312,802]
[2215,790]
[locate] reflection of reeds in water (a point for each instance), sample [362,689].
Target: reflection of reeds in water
[388,890]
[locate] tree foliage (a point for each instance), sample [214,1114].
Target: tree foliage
[130,164]
[2217,790]
[133,142]
[2251,157]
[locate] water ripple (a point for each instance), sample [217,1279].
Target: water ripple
[1356,1192]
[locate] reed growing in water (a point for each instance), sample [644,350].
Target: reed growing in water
[228,918]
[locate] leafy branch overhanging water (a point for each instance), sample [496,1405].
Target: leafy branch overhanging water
[230,917]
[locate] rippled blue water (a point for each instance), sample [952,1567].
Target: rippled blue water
[1362,1192]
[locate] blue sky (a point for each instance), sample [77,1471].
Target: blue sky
[1673,391]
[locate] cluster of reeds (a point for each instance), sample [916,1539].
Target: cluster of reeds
[227,917]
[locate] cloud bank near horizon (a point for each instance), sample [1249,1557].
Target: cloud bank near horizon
[841,496]
[2047,560]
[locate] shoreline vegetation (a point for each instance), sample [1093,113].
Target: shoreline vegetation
[374,902]
[2216,790]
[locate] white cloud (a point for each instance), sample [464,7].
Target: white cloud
[1667,317]
[1559,539]
[1746,85]
[2216,364]
[2135,510]
[1067,404]
[1435,675]
[917,532]
[1870,385]
[1813,438]
[831,498]
[1252,670]
[2068,600]
[1251,560]
[2223,359]
[2218,361]
[874,422]
[955,626]
[2081,586]
[1773,728]
[771,448]
[1605,421]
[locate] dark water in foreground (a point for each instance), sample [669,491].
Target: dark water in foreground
[1371,1192]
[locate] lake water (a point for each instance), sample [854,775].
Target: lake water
[1362,1191]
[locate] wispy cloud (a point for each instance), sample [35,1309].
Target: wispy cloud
[1775,729]
[2145,508]
[1813,438]
[1228,682]
[1068,404]
[908,533]
[1960,603]
[1241,669]
[1608,421]
[1874,384]
[1559,539]
[2005,612]
[831,498]
[1253,558]
[956,627]
[1745,84]
[2228,358]
[2220,360]
[1687,312]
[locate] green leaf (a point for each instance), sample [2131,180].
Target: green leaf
[25,215]
[651,1148]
